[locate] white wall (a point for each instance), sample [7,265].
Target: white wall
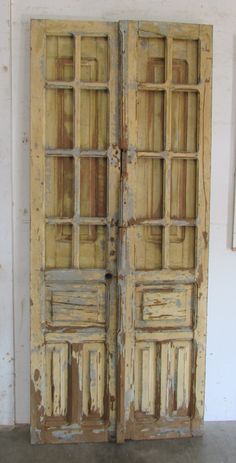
[221,371]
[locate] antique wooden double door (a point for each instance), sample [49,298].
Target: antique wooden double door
[120,146]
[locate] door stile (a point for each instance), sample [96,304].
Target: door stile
[126,267]
[37,226]
[74,360]
[167,404]
[202,242]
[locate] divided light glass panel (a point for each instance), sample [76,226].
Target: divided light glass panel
[58,249]
[92,246]
[185,61]
[184,121]
[183,189]
[60,58]
[148,247]
[59,186]
[59,118]
[94,59]
[93,187]
[182,247]
[94,134]
[151,60]
[149,188]
[150,120]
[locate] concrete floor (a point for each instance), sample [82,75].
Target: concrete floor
[217,446]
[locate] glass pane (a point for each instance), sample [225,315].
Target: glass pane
[185,62]
[148,247]
[59,118]
[60,58]
[93,187]
[92,242]
[94,119]
[59,176]
[94,59]
[150,120]
[58,252]
[151,60]
[183,189]
[149,188]
[184,122]
[182,247]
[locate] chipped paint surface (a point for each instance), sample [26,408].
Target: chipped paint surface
[74,324]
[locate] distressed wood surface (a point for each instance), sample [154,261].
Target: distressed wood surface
[120,155]
[166,130]
[75,188]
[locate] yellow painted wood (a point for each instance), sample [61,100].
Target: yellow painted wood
[120,156]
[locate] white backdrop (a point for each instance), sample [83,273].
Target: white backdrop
[14,186]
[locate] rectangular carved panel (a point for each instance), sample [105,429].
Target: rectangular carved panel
[92,373]
[145,378]
[176,374]
[165,306]
[56,374]
[78,303]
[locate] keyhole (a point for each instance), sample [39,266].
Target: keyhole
[108,276]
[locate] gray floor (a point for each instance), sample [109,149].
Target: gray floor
[217,446]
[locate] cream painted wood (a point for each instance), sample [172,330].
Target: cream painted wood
[131,366]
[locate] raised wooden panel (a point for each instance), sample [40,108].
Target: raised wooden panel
[164,306]
[145,378]
[148,247]
[93,187]
[149,188]
[184,119]
[94,115]
[93,380]
[92,246]
[58,246]
[176,376]
[60,58]
[151,60]
[182,247]
[59,191]
[185,61]
[76,304]
[150,121]
[183,189]
[56,375]
[59,118]
[94,59]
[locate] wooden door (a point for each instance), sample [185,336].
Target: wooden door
[75,186]
[164,235]
[120,145]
